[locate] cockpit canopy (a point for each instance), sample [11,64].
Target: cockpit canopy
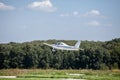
[61,43]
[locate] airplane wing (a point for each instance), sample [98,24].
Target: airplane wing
[48,44]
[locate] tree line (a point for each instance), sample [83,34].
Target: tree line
[96,55]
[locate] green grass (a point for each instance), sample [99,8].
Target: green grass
[38,74]
[30,79]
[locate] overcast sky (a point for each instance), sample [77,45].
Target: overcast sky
[28,20]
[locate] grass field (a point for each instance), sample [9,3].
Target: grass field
[38,74]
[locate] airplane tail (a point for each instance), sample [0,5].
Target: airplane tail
[77,44]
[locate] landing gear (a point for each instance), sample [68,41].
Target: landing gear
[53,50]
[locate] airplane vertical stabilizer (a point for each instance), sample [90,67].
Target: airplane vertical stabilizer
[77,44]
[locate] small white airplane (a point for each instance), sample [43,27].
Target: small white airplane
[63,46]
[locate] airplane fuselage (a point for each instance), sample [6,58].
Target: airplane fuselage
[61,47]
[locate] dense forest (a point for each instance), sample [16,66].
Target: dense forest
[96,55]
